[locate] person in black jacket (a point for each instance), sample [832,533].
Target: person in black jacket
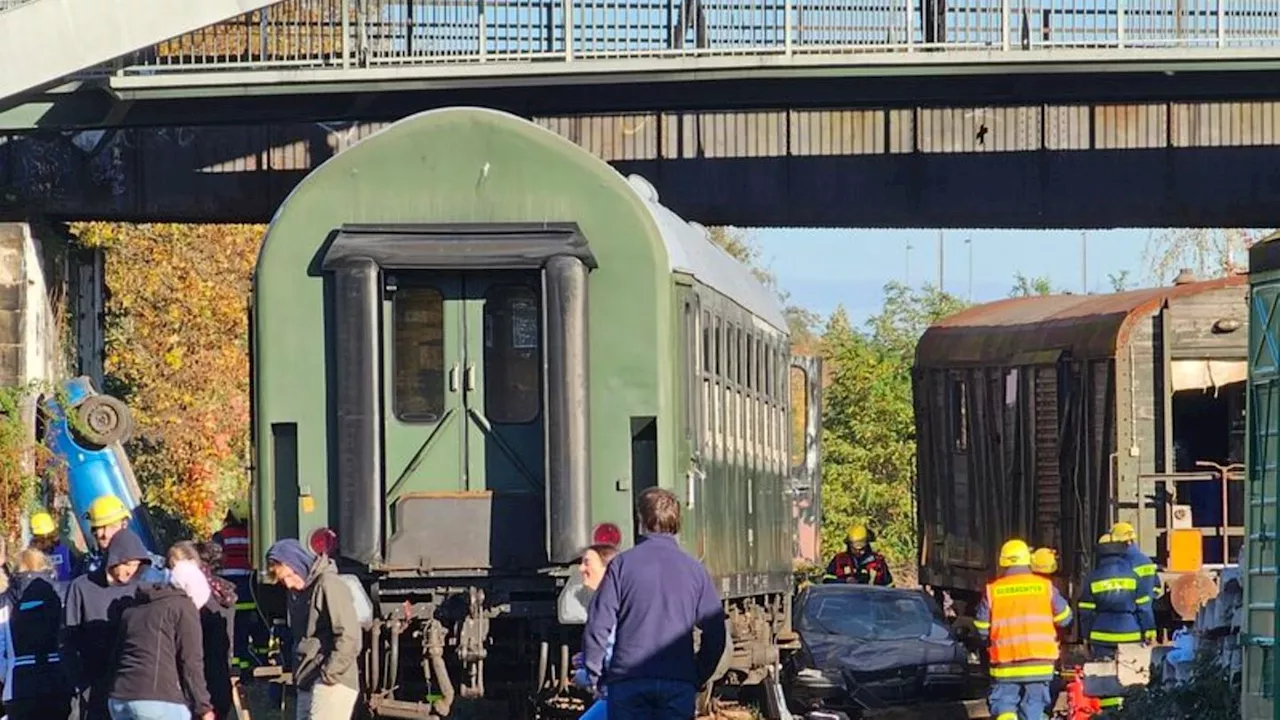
[94,604]
[159,659]
[35,683]
[217,624]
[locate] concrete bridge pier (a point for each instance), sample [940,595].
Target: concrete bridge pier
[51,305]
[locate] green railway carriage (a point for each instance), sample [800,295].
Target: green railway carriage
[1260,557]
[474,344]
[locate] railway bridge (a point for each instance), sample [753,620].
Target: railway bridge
[948,113]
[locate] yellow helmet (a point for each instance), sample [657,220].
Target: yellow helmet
[856,534]
[1105,539]
[1044,561]
[239,509]
[42,524]
[106,510]
[1123,532]
[1015,553]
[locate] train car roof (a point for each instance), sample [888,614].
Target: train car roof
[1089,326]
[1264,255]
[691,251]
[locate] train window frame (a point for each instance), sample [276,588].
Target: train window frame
[958,414]
[717,357]
[692,354]
[706,341]
[536,406]
[398,301]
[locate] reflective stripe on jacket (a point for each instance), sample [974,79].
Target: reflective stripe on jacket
[234,541]
[1113,609]
[1019,614]
[1148,584]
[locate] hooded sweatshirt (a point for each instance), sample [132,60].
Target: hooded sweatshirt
[322,618]
[160,654]
[93,609]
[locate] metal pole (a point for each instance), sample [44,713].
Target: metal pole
[568,30]
[346,33]
[1084,263]
[969,244]
[483,31]
[1222,25]
[786,28]
[1004,24]
[1120,23]
[941,251]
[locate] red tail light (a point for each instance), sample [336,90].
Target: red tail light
[606,534]
[324,542]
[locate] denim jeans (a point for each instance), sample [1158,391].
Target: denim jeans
[147,710]
[646,699]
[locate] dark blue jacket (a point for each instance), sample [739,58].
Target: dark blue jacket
[654,595]
[1148,581]
[1110,611]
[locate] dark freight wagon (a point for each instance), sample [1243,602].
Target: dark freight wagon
[1049,418]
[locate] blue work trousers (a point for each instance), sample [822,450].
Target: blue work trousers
[651,699]
[1019,701]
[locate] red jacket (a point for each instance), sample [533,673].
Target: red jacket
[234,541]
[865,568]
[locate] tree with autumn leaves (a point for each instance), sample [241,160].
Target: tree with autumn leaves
[177,352]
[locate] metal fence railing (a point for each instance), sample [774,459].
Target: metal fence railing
[362,33]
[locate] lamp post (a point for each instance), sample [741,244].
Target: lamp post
[968,242]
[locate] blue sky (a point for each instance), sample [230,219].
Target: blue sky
[823,269]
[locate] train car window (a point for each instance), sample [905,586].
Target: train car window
[718,360]
[418,354]
[959,414]
[706,342]
[768,371]
[512,354]
[691,368]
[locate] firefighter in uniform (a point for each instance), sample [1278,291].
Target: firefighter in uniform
[1148,580]
[1019,616]
[233,541]
[1111,606]
[859,563]
[1044,562]
[44,537]
[107,516]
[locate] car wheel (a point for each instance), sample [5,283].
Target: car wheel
[102,420]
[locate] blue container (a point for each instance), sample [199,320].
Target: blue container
[92,473]
[598,711]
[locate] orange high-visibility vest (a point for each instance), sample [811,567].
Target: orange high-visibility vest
[1022,619]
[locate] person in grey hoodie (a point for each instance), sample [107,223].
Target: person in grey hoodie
[325,628]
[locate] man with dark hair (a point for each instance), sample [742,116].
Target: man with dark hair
[653,596]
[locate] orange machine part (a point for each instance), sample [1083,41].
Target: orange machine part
[1186,551]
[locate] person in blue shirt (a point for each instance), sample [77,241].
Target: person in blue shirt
[595,559]
[1145,569]
[651,600]
[44,537]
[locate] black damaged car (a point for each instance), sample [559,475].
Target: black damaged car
[866,648]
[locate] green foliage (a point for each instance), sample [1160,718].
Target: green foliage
[1119,281]
[868,421]
[1024,286]
[1212,693]
[177,352]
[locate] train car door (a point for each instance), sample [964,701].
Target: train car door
[462,368]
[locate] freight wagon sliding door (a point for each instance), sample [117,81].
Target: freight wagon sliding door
[462,361]
[1262,521]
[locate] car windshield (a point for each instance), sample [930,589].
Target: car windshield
[868,615]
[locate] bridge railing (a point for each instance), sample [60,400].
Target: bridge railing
[363,33]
